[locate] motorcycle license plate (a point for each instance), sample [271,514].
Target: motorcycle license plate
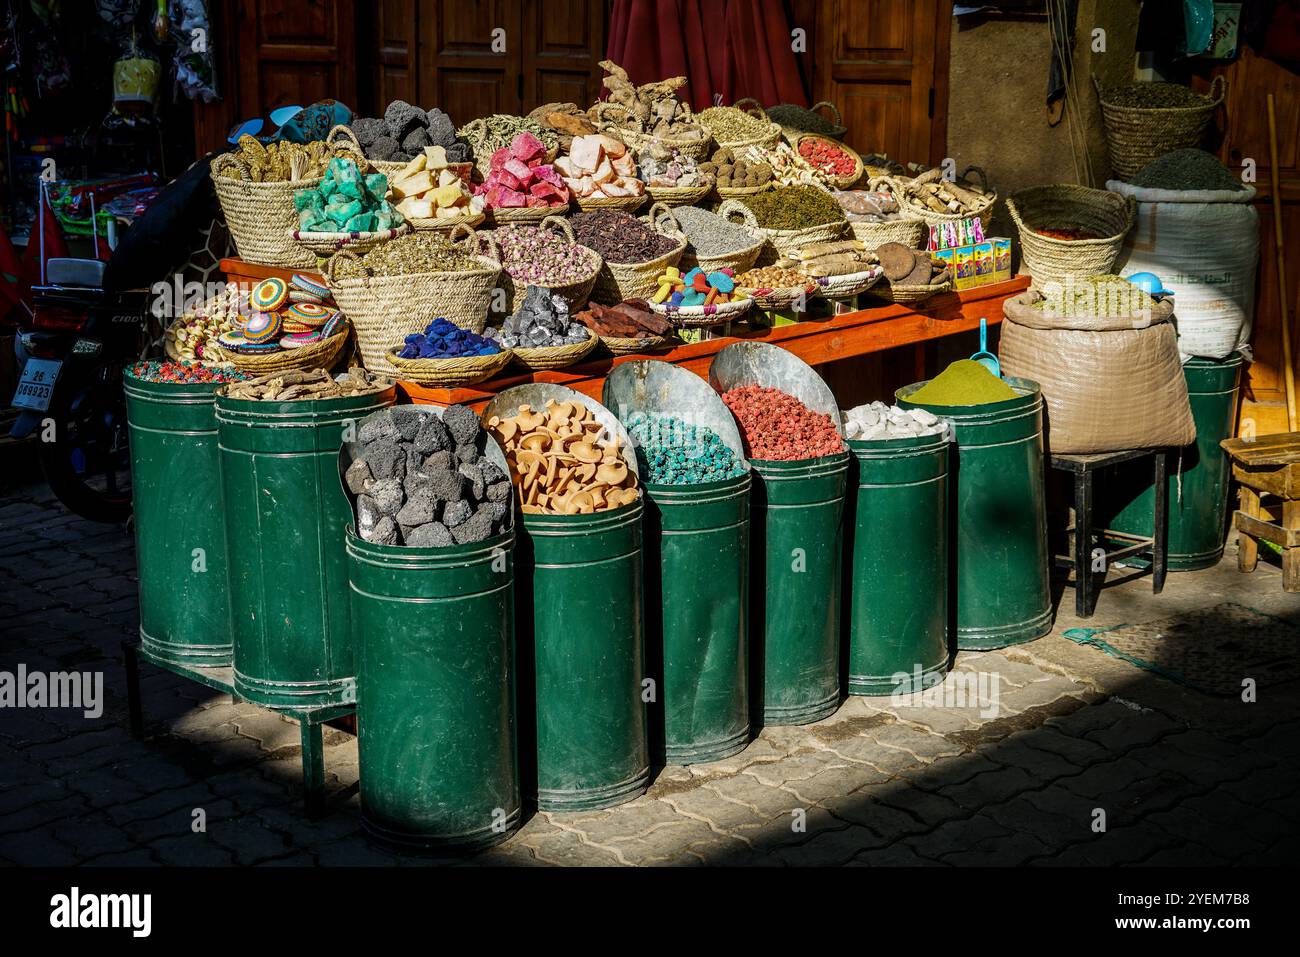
[37,384]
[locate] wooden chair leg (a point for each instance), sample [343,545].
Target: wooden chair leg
[1247,546]
[1084,581]
[1291,556]
[1160,534]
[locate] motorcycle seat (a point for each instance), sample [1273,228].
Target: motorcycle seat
[87,273]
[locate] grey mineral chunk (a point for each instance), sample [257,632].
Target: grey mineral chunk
[447,486]
[383,148]
[432,437]
[358,476]
[386,460]
[415,141]
[440,462]
[377,429]
[490,471]
[414,460]
[368,129]
[459,153]
[467,454]
[407,419]
[476,529]
[401,117]
[415,480]
[419,509]
[475,479]
[499,491]
[387,495]
[462,423]
[456,512]
[442,131]
[367,515]
[384,532]
[432,535]
[497,511]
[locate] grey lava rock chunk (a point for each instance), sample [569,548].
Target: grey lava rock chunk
[490,471]
[431,535]
[368,129]
[440,462]
[476,529]
[386,460]
[384,532]
[441,130]
[420,509]
[447,486]
[408,421]
[385,148]
[456,512]
[433,436]
[387,495]
[377,428]
[368,515]
[462,423]
[401,117]
[475,478]
[358,476]
[415,141]
[499,491]
[459,153]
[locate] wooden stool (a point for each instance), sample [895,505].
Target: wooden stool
[1268,465]
[1157,546]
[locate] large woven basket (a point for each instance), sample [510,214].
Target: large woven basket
[782,240]
[911,208]
[678,195]
[1107,215]
[576,293]
[848,285]
[702,317]
[894,292]
[839,182]
[626,347]
[625,204]
[777,299]
[619,281]
[606,117]
[260,215]
[1136,135]
[555,357]
[384,310]
[327,244]
[837,131]
[523,214]
[738,260]
[447,373]
[768,138]
[470,131]
[725,193]
[318,355]
[436,225]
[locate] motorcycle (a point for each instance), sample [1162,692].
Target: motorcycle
[72,355]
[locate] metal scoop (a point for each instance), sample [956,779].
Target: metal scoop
[985,358]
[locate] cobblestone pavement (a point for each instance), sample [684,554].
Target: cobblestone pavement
[1180,777]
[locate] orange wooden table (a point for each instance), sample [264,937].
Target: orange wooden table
[815,341]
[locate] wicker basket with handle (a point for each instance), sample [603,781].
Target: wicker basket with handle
[1137,135]
[1108,216]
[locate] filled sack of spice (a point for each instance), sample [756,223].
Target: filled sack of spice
[1197,229]
[1106,357]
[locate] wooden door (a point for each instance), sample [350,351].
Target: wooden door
[458,70]
[1250,79]
[884,64]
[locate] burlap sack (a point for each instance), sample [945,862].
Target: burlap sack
[1021,309]
[1106,391]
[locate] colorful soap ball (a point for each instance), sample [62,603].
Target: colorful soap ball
[672,452]
[263,327]
[445,340]
[182,373]
[778,427]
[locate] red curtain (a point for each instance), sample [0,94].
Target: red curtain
[733,48]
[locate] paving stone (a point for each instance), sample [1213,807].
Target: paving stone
[140,857]
[1188,855]
[191,850]
[836,781]
[990,787]
[1013,850]
[896,855]
[161,802]
[42,813]
[248,839]
[925,746]
[36,849]
[639,818]
[948,772]
[830,848]
[707,805]
[1078,751]
[763,799]
[929,808]
[91,835]
[1066,804]
[890,823]
[568,850]
[1042,766]
[1140,728]
[972,832]
[794,769]
[1021,815]
[1130,845]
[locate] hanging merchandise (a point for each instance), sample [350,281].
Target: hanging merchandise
[191,27]
[118,14]
[135,82]
[51,68]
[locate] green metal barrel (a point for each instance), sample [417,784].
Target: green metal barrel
[796,516]
[580,591]
[999,511]
[896,548]
[286,513]
[697,589]
[434,635]
[180,534]
[1198,474]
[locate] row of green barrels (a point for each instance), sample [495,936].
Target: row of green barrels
[439,700]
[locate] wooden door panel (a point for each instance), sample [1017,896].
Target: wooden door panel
[559,63]
[458,72]
[299,53]
[466,94]
[395,61]
[872,30]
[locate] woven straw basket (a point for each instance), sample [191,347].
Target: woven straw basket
[792,133]
[913,209]
[555,357]
[702,317]
[384,310]
[627,347]
[619,281]
[606,120]
[839,182]
[894,292]
[1105,214]
[523,214]
[260,216]
[768,138]
[318,355]
[782,240]
[469,132]
[447,373]
[576,293]
[778,299]
[327,244]
[849,285]
[739,260]
[672,196]
[626,204]
[1136,135]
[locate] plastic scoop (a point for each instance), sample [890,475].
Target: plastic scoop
[985,358]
